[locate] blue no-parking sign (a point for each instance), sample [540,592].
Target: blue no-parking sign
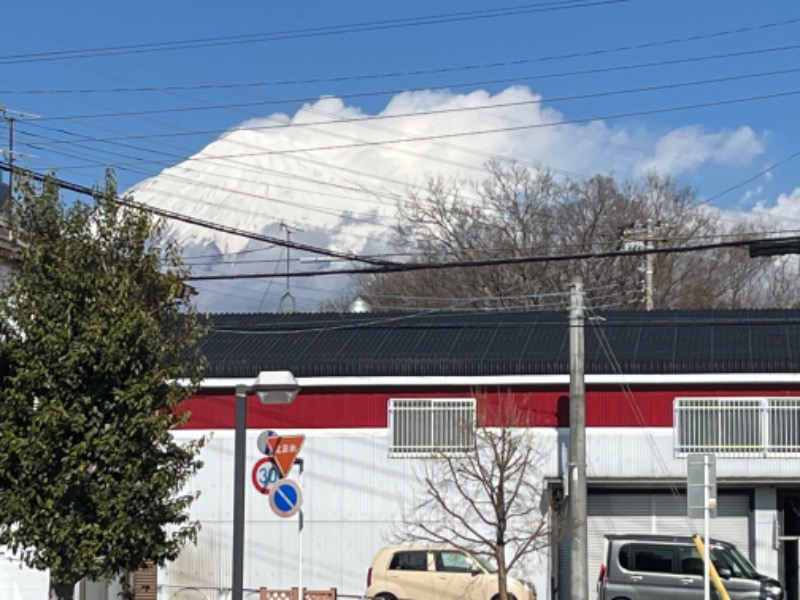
[285,497]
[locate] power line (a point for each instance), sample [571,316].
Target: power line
[392,116]
[425,138]
[617,116]
[338,79]
[502,158]
[199,222]
[407,267]
[736,186]
[188,44]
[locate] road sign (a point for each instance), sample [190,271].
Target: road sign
[263,441]
[701,485]
[284,449]
[285,497]
[265,473]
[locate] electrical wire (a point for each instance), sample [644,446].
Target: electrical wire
[301,33]
[405,267]
[366,119]
[627,391]
[199,222]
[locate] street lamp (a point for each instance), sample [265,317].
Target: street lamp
[271,387]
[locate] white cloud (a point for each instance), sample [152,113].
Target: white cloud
[335,175]
[785,210]
[687,148]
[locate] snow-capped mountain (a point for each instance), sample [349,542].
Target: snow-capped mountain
[331,176]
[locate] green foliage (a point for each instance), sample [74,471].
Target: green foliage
[96,327]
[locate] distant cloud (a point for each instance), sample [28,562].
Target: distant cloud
[687,148]
[785,210]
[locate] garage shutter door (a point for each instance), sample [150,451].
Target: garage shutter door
[661,513]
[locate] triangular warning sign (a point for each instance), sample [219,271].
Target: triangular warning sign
[284,451]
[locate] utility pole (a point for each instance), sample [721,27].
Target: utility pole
[642,237]
[10,121]
[10,117]
[578,513]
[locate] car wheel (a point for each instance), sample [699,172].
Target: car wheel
[384,597]
[510,597]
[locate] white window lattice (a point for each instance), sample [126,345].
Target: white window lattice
[431,426]
[752,426]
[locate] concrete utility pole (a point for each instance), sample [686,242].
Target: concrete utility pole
[639,237]
[578,514]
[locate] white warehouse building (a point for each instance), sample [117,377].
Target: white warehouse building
[660,386]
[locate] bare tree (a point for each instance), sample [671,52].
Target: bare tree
[518,212]
[490,501]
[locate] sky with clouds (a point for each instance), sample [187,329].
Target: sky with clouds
[312,120]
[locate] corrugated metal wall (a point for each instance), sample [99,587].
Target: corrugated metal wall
[351,494]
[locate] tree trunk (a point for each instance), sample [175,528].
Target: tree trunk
[502,573]
[61,591]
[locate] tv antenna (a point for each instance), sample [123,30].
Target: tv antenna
[287,295]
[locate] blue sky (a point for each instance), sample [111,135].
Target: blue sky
[705,91]
[472,43]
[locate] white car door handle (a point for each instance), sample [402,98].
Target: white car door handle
[636,577]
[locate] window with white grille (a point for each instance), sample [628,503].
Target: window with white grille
[759,426]
[431,426]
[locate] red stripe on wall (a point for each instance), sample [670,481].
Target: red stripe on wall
[335,408]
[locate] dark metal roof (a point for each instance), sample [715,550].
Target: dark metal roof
[502,343]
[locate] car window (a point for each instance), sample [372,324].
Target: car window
[645,557]
[731,559]
[412,560]
[689,561]
[453,562]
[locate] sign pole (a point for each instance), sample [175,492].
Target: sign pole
[300,533]
[701,502]
[706,519]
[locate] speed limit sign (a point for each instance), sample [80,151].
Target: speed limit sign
[265,473]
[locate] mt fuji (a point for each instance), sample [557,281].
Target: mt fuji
[331,176]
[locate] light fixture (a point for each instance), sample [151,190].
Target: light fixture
[275,387]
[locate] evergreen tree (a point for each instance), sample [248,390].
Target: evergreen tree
[96,330]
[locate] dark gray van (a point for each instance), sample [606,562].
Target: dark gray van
[659,567]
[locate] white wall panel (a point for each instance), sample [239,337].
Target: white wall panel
[21,583]
[648,453]
[353,496]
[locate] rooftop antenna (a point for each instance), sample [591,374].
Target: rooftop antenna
[287,296]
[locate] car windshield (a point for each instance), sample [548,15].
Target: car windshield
[730,558]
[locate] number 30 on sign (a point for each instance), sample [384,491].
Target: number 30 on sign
[265,473]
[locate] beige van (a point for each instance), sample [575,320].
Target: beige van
[421,572]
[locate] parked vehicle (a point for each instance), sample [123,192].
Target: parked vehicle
[658,567]
[421,572]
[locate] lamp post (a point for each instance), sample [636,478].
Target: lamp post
[271,387]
